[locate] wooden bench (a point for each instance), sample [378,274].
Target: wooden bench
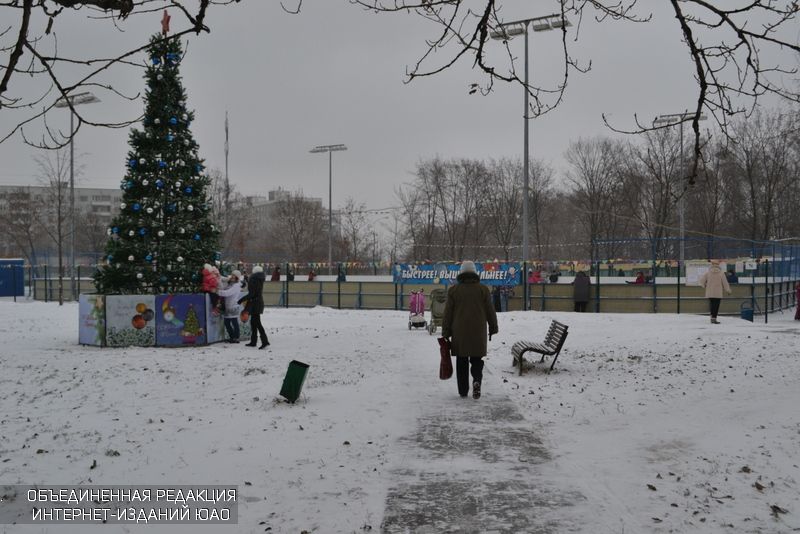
[551,346]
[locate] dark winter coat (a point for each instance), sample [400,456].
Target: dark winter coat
[255,297]
[581,292]
[467,312]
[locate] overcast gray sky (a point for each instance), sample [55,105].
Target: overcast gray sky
[334,74]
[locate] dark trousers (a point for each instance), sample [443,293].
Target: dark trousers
[714,303]
[580,306]
[463,365]
[232,327]
[257,328]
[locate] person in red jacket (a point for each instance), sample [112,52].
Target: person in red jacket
[276,274]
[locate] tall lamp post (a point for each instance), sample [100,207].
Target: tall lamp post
[330,149]
[506,31]
[671,120]
[70,102]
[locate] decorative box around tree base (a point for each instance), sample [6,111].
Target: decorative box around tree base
[178,320]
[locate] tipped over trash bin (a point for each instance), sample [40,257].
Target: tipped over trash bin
[293,382]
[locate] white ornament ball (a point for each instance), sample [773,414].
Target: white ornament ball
[185,117]
[180,258]
[178,184]
[190,207]
[139,276]
[108,232]
[186,142]
[117,266]
[130,258]
[183,230]
[148,135]
[161,233]
[122,205]
[131,233]
[142,161]
[145,182]
[160,77]
[157,120]
[149,210]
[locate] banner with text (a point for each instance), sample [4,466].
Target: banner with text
[493,274]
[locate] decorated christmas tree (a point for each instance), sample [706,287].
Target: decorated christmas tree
[164,233]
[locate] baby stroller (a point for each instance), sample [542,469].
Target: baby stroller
[416,310]
[438,301]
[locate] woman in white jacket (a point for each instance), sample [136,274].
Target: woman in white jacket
[715,282]
[232,307]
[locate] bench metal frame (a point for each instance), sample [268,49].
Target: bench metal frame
[551,346]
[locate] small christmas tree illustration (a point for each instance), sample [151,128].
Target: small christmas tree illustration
[164,233]
[191,326]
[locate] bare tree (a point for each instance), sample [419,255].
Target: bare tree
[419,214]
[503,203]
[29,51]
[54,212]
[722,38]
[298,227]
[760,159]
[92,236]
[353,223]
[540,190]
[231,215]
[596,186]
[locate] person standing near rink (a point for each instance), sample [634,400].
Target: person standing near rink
[715,283]
[255,306]
[467,312]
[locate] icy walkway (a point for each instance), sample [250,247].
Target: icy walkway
[475,466]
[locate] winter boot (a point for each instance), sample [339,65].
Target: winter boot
[476,390]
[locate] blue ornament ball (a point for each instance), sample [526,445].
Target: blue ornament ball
[156,60]
[197,237]
[172,207]
[195,277]
[163,279]
[115,230]
[142,231]
[160,184]
[110,257]
[132,163]
[188,190]
[198,168]
[149,257]
[162,164]
[170,138]
[173,120]
[137,206]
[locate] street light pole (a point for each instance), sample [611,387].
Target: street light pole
[505,32]
[671,120]
[70,102]
[330,149]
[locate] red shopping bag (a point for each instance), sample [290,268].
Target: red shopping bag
[446,364]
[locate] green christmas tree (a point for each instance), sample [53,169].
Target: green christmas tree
[164,233]
[191,327]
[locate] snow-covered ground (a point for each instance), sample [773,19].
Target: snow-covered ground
[652,423]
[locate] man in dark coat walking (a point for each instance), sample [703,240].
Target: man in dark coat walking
[467,312]
[255,306]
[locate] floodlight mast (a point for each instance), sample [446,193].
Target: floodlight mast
[505,32]
[330,149]
[69,102]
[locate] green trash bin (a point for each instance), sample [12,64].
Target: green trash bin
[293,382]
[746,311]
